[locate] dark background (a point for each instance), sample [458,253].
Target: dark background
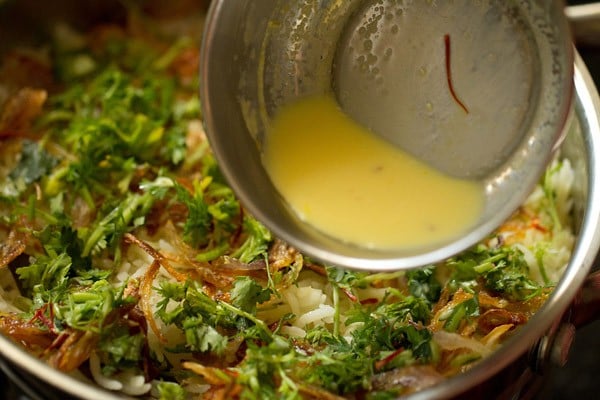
[578,379]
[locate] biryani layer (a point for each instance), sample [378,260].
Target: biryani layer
[127,260]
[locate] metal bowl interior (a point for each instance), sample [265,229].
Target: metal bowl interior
[280,52]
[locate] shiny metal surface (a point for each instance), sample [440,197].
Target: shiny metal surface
[515,64]
[582,147]
[585,23]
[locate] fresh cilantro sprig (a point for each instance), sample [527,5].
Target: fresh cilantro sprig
[196,314]
[208,324]
[389,328]
[171,391]
[34,163]
[266,372]
[257,241]
[123,217]
[112,122]
[459,313]
[213,211]
[46,277]
[422,283]
[247,293]
[502,270]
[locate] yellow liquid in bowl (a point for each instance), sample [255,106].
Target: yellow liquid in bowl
[352,185]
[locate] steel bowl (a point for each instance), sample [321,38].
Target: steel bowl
[383,61]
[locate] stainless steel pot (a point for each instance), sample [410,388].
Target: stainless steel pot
[504,374]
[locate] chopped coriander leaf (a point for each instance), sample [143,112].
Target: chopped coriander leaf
[170,391]
[384,395]
[121,347]
[224,208]
[503,270]
[113,120]
[89,277]
[510,277]
[264,366]
[468,308]
[86,309]
[34,163]
[339,367]
[256,243]
[391,326]
[62,237]
[204,321]
[347,279]
[196,314]
[346,367]
[120,227]
[202,337]
[46,276]
[123,217]
[246,294]
[422,283]
[182,300]
[212,213]
[198,222]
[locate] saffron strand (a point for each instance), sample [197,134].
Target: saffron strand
[449,74]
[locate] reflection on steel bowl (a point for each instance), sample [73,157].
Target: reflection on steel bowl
[128,266]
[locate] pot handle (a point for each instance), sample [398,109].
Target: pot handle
[585,23]
[554,347]
[586,304]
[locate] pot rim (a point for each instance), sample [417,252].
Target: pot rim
[587,110]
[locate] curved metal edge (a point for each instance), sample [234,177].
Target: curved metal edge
[583,12]
[587,107]
[579,266]
[57,379]
[585,23]
[317,244]
[588,104]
